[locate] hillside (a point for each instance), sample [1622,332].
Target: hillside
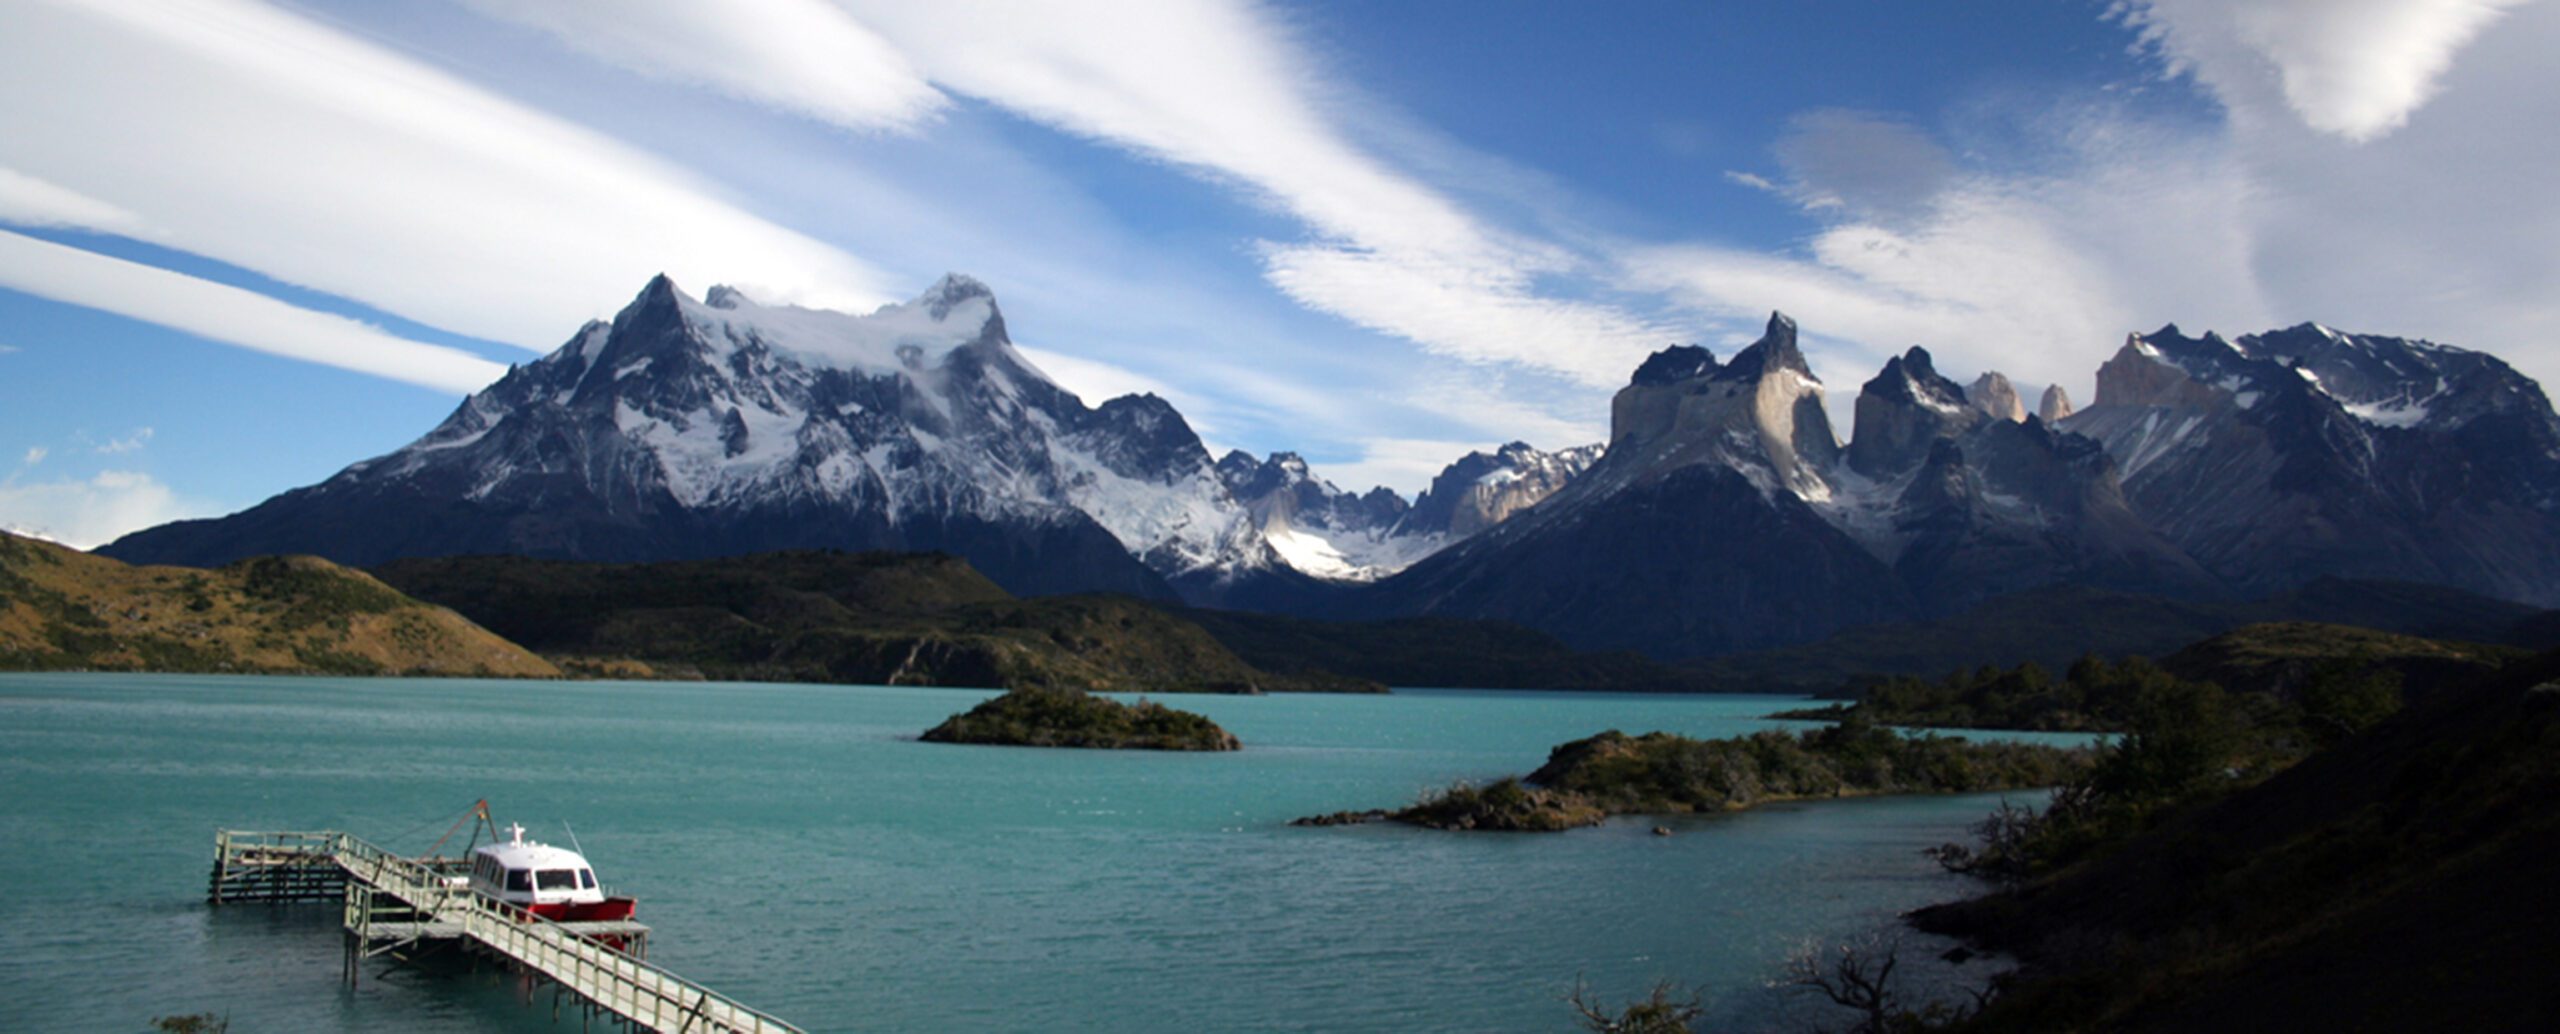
[2279,655]
[2054,627]
[826,616]
[2392,882]
[2279,668]
[1438,652]
[61,609]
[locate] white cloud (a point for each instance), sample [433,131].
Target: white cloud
[2033,274]
[6,349]
[2357,69]
[1219,89]
[134,442]
[1752,180]
[91,513]
[1404,464]
[1479,312]
[2118,223]
[231,315]
[802,56]
[273,142]
[1093,380]
[28,201]
[35,455]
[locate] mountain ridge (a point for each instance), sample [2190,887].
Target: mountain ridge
[1724,513]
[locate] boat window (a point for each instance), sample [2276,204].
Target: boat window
[556,879]
[520,880]
[586,879]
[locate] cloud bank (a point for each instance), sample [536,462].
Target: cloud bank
[86,514]
[2356,69]
[305,147]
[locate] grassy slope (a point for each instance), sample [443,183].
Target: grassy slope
[61,609]
[2399,881]
[820,616]
[2283,653]
[2052,627]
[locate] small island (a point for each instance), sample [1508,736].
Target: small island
[1588,780]
[1073,718]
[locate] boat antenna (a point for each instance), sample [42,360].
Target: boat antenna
[573,837]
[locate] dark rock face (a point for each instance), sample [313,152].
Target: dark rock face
[1686,537]
[1968,504]
[2280,458]
[1483,489]
[1903,412]
[1761,413]
[1695,560]
[1282,491]
[2008,507]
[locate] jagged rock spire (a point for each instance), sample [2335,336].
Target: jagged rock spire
[2056,404]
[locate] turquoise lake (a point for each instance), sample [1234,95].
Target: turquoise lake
[795,847]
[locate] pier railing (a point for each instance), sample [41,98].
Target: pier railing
[265,866]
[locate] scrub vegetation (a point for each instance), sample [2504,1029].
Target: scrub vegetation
[1585,781]
[1072,718]
[64,610]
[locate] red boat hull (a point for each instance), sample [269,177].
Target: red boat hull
[608,910]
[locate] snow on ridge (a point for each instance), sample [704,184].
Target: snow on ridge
[901,336]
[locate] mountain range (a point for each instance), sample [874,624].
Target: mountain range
[1724,513]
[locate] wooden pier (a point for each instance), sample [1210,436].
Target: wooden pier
[396,906]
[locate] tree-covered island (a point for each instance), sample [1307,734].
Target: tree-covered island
[1073,718]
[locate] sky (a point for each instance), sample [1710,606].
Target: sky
[244,244]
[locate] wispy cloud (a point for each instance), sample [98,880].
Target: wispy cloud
[35,455]
[85,514]
[406,188]
[1221,90]
[28,201]
[133,442]
[1752,180]
[231,315]
[804,56]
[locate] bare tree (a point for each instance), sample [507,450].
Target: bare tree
[1659,1012]
[1859,977]
[1855,977]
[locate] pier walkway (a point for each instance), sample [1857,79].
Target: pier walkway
[394,904]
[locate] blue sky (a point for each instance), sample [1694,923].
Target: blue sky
[243,244]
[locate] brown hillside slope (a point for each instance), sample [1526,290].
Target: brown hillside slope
[61,609]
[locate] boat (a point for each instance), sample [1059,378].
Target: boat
[552,882]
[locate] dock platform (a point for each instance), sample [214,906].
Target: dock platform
[395,906]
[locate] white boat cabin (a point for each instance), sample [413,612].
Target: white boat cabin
[522,872]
